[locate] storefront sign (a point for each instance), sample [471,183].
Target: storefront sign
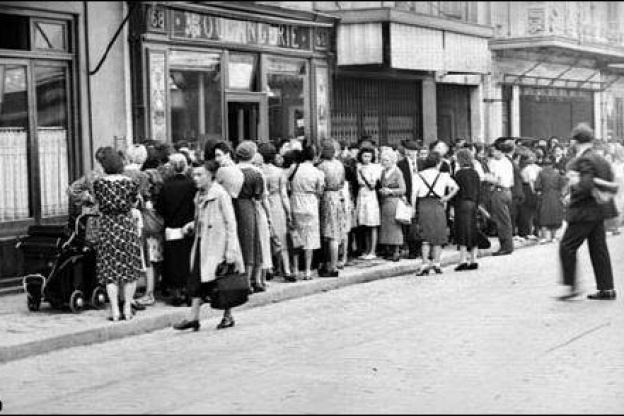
[197,26]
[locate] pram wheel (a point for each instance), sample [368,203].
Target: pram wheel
[98,297]
[33,302]
[76,301]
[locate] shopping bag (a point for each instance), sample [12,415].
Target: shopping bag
[403,214]
[153,223]
[231,288]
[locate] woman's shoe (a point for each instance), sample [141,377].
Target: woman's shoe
[437,269]
[472,266]
[423,272]
[396,257]
[187,325]
[226,323]
[115,318]
[461,266]
[291,278]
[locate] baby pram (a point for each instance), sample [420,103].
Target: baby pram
[71,281]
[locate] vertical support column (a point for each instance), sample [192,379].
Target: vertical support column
[128,85]
[598,112]
[515,111]
[429,109]
[493,103]
[477,113]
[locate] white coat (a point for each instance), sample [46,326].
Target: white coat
[218,232]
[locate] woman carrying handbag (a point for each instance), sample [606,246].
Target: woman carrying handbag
[215,243]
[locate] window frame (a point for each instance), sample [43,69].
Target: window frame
[31,59]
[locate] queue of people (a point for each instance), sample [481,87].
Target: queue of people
[282,210]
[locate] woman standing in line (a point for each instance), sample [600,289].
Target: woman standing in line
[119,249]
[306,188]
[250,235]
[367,207]
[333,220]
[215,242]
[392,189]
[176,204]
[429,196]
[549,186]
[466,203]
[279,203]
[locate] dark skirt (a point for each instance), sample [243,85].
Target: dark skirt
[247,228]
[176,263]
[466,223]
[195,288]
[432,221]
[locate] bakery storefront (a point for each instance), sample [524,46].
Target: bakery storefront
[230,72]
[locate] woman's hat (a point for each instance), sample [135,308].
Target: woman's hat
[246,150]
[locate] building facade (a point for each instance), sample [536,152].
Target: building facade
[409,70]
[556,64]
[230,71]
[55,109]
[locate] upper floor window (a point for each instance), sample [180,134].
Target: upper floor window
[48,35]
[458,10]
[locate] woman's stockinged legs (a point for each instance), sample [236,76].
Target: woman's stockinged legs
[333,254]
[308,263]
[195,308]
[373,246]
[437,253]
[129,288]
[463,254]
[112,290]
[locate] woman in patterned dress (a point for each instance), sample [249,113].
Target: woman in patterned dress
[392,189]
[279,203]
[367,207]
[119,251]
[333,220]
[306,187]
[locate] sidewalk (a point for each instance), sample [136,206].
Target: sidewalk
[26,333]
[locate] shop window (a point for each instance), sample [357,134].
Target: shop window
[14,32]
[14,177]
[288,108]
[50,36]
[52,134]
[195,98]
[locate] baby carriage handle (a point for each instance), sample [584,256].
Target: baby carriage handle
[79,219]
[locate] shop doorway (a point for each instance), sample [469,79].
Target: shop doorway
[243,121]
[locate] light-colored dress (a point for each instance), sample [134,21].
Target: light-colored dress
[275,183]
[306,186]
[367,206]
[333,218]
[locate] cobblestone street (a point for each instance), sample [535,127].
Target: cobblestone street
[488,341]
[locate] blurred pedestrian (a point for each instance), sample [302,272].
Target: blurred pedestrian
[585,217]
[466,203]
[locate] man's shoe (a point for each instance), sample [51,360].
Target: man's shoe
[603,295]
[472,266]
[502,252]
[461,266]
[572,293]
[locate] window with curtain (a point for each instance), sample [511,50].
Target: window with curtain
[52,122]
[14,179]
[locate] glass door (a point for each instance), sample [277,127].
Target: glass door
[246,117]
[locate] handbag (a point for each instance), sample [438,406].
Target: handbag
[153,223]
[231,288]
[403,213]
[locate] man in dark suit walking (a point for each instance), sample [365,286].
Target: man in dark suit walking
[586,217]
